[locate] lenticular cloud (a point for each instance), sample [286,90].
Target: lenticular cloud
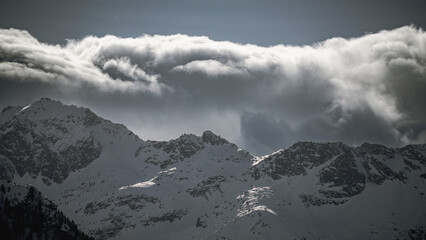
[371,88]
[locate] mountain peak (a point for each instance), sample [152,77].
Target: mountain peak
[213,139]
[54,139]
[40,103]
[46,100]
[44,108]
[118,186]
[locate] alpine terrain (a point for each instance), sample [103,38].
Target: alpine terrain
[114,185]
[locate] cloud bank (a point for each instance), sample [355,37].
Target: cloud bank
[371,88]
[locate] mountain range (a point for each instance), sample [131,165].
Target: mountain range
[114,185]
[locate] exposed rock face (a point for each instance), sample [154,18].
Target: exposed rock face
[50,139]
[37,157]
[299,157]
[343,172]
[177,150]
[213,139]
[207,187]
[117,186]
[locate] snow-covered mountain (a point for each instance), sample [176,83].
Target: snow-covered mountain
[116,186]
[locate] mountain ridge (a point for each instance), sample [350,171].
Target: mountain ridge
[118,186]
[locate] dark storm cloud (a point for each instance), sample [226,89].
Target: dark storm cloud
[353,90]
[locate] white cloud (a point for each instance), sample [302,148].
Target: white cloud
[210,67]
[319,92]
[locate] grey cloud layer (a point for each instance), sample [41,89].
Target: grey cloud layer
[370,88]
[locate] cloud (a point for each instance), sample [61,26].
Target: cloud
[211,68]
[370,88]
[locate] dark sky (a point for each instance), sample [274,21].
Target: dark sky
[266,22]
[263,74]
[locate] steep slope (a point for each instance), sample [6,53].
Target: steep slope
[50,139]
[26,214]
[117,186]
[339,192]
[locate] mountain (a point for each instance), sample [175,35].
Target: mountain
[116,186]
[26,214]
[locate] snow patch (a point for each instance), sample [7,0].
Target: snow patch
[146,184]
[251,200]
[23,109]
[257,160]
[151,182]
